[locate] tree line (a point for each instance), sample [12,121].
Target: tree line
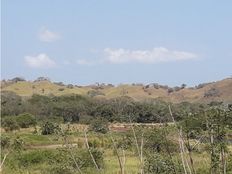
[82,109]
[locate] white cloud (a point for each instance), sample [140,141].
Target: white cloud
[155,55]
[39,61]
[46,35]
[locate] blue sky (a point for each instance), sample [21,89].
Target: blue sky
[120,41]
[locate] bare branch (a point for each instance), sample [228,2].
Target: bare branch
[2,162]
[117,154]
[87,144]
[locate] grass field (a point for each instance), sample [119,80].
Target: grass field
[37,148]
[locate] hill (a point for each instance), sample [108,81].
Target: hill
[207,92]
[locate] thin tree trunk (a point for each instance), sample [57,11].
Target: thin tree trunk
[139,150]
[190,154]
[169,152]
[182,156]
[141,155]
[117,154]
[180,141]
[2,162]
[77,166]
[212,152]
[92,157]
[135,138]
[70,151]
[183,149]
[124,160]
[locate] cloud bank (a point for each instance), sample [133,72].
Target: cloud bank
[46,35]
[156,55]
[39,61]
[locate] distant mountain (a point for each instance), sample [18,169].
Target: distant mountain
[205,93]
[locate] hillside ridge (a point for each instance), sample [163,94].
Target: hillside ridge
[205,92]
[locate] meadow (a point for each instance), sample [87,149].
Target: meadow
[39,153]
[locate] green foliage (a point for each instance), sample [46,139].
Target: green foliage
[99,125]
[50,128]
[35,157]
[9,123]
[126,142]
[192,125]
[160,164]
[5,142]
[11,104]
[18,144]
[26,120]
[72,108]
[63,160]
[157,141]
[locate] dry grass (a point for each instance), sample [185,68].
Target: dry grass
[134,91]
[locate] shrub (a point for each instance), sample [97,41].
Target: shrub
[70,86]
[170,90]
[159,164]
[157,141]
[5,142]
[26,120]
[64,161]
[49,128]
[93,93]
[40,79]
[18,79]
[18,144]
[10,124]
[99,125]
[213,92]
[35,157]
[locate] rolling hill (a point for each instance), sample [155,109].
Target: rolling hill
[207,92]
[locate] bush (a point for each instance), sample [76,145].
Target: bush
[70,86]
[159,164]
[10,124]
[18,79]
[50,128]
[18,144]
[62,161]
[93,93]
[99,125]
[213,92]
[26,120]
[157,141]
[5,142]
[36,157]
[170,90]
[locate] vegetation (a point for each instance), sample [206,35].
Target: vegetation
[46,134]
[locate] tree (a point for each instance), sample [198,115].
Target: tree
[11,104]
[10,124]
[25,120]
[217,120]
[183,86]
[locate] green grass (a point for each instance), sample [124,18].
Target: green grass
[112,165]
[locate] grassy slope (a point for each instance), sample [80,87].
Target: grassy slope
[136,92]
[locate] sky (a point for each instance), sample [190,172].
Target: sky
[117,41]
